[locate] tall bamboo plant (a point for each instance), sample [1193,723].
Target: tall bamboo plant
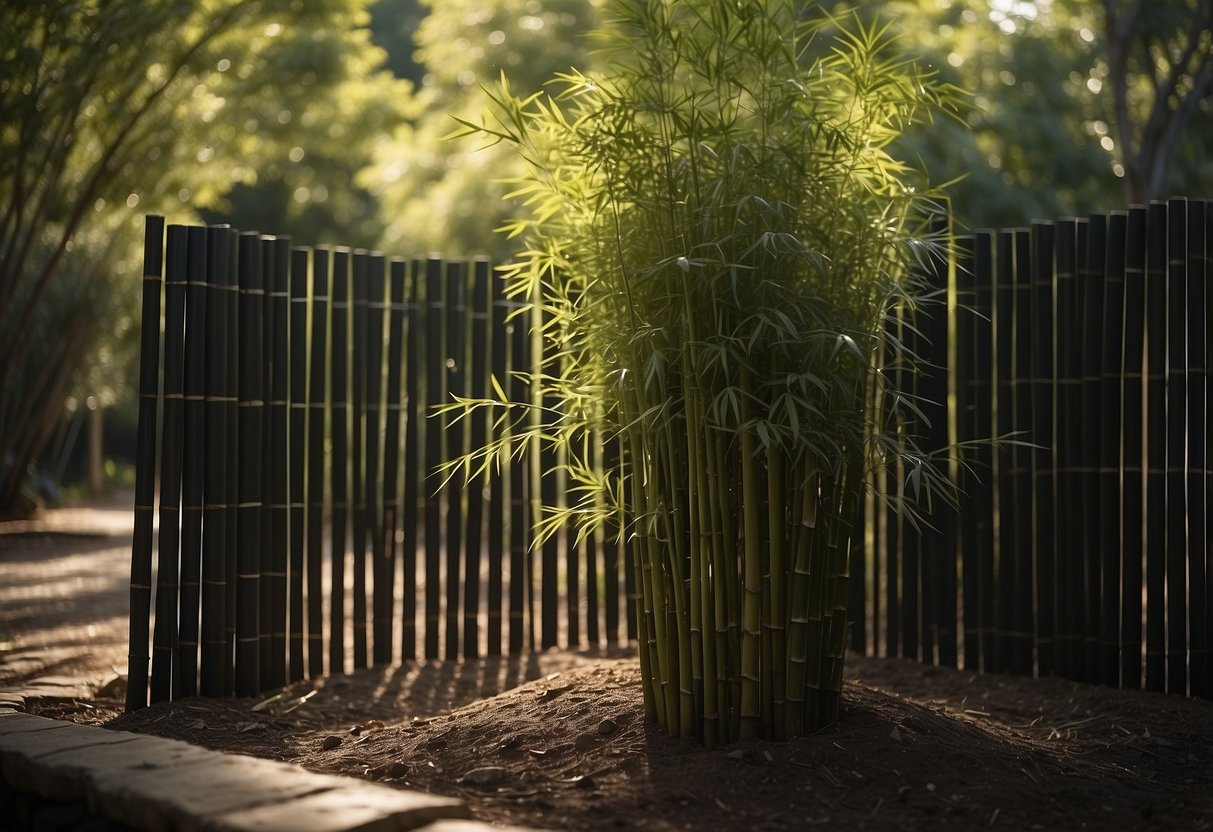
[717,234]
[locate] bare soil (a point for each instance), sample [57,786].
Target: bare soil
[917,747]
[559,740]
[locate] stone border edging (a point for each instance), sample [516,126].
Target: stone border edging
[157,785]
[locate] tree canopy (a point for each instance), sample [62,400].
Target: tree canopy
[128,105]
[440,195]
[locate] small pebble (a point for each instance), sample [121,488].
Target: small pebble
[330,742]
[607,727]
[486,776]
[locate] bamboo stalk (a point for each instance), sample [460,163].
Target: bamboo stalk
[193,462]
[297,457]
[385,619]
[434,381]
[476,387]
[249,511]
[165,636]
[519,498]
[1178,510]
[145,467]
[231,420]
[1131,448]
[339,437]
[496,540]
[1092,248]
[751,635]
[359,452]
[1197,292]
[317,413]
[375,427]
[411,490]
[278,515]
[612,544]
[269,470]
[550,482]
[454,447]
[1156,445]
[777,534]
[1111,408]
[214,658]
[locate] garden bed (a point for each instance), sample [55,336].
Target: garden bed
[560,741]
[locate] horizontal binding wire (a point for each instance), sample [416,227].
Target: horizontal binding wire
[252,291]
[252,403]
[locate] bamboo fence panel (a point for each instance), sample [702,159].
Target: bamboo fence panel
[288,415]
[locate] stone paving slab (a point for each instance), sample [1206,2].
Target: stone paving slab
[337,810]
[157,785]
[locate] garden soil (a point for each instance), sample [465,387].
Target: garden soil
[559,740]
[916,747]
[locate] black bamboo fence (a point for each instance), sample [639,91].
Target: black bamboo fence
[1081,545]
[290,449]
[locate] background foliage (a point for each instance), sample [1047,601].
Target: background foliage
[327,120]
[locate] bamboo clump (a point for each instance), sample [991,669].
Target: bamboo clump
[716,235]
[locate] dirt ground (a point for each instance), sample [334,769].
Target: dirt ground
[559,740]
[916,748]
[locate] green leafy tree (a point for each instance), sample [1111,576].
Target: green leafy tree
[107,108]
[1156,62]
[1073,107]
[438,195]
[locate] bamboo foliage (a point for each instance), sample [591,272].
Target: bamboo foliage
[715,236]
